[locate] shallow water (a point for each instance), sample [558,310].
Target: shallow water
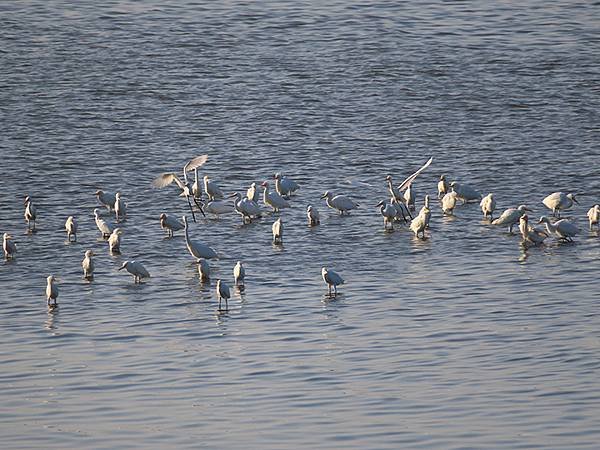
[464,340]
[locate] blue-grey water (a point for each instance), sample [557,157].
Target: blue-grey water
[462,341]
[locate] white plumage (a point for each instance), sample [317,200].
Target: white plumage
[104,228]
[332,279]
[530,235]
[247,208]
[340,202]
[465,192]
[51,291]
[30,214]
[277,229]
[71,228]
[488,206]
[239,273]
[88,265]
[197,249]
[223,292]
[563,229]
[171,224]
[511,217]
[8,246]
[120,208]
[273,199]
[212,189]
[136,269]
[106,199]
[114,241]
[204,270]
[594,215]
[559,201]
[449,203]
[313,216]
[284,185]
[388,212]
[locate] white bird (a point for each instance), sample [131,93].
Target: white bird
[171,224]
[394,192]
[465,193]
[313,216]
[223,292]
[284,185]
[104,228]
[594,215]
[204,270]
[530,235]
[197,249]
[563,229]
[511,217]
[106,199]
[245,207]
[488,205]
[388,212]
[449,203]
[273,199]
[239,273]
[419,223]
[426,211]
[71,228]
[196,188]
[277,229]
[405,186]
[88,265]
[332,279]
[402,211]
[340,202]
[211,188]
[51,292]
[559,201]
[9,247]
[218,207]
[114,241]
[30,213]
[120,207]
[442,186]
[409,197]
[136,269]
[252,193]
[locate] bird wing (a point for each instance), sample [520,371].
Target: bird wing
[165,179]
[406,183]
[192,164]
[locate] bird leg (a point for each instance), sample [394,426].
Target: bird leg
[191,209]
[199,205]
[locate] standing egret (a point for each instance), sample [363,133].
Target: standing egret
[136,269]
[218,207]
[340,202]
[332,279]
[239,273]
[51,292]
[252,193]
[196,187]
[30,213]
[449,203]
[245,207]
[223,292]
[465,192]
[203,270]
[563,229]
[426,211]
[559,201]
[409,197]
[197,249]
[106,198]
[102,225]
[511,217]
[277,229]
[114,241]
[211,188]
[594,215]
[88,265]
[442,186]
[402,211]
[71,228]
[9,247]
[285,186]
[488,205]
[419,223]
[530,235]
[273,199]
[388,212]
[313,216]
[120,208]
[171,224]
[394,192]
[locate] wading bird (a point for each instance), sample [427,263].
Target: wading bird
[71,228]
[171,224]
[442,186]
[465,192]
[102,225]
[594,215]
[313,216]
[203,270]
[285,186]
[332,279]
[223,292]
[213,191]
[511,217]
[106,199]
[247,208]
[114,241]
[388,212]
[9,247]
[88,265]
[563,229]
[488,205]
[277,229]
[340,202]
[51,292]
[559,201]
[449,203]
[531,236]
[239,274]
[273,199]
[120,208]
[30,213]
[136,269]
[197,249]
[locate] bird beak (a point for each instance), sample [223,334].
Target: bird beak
[575,200]
[323,196]
[122,267]
[232,195]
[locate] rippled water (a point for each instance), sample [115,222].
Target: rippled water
[463,340]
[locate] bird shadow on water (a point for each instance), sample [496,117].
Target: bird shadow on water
[51,324]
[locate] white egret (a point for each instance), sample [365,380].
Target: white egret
[218,207]
[196,187]
[284,185]
[563,229]
[421,222]
[30,213]
[313,216]
[405,186]
[530,235]
[136,269]
[488,205]
[197,249]
[71,228]
[388,212]
[442,186]
[277,229]
[558,201]
[120,207]
[340,202]
[213,191]
[449,203]
[273,199]
[409,197]
[465,193]
[239,273]
[426,211]
[204,270]
[88,265]
[332,279]
[252,193]
[245,207]
[402,211]
[171,224]
[106,198]
[114,241]
[594,215]
[104,228]
[223,292]
[511,217]
[9,247]
[394,192]
[51,292]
